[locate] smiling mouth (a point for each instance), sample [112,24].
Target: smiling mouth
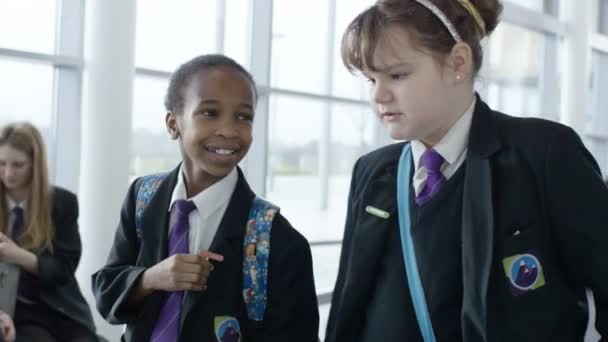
[222,151]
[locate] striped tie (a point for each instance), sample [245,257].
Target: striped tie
[167,325]
[431,161]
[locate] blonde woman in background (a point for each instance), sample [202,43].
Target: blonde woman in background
[39,233]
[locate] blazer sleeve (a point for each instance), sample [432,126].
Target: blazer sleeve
[114,283]
[344,257]
[56,268]
[578,210]
[292,312]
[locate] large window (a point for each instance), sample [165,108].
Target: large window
[319,124]
[514,85]
[169,32]
[536,5]
[299,49]
[597,125]
[40,65]
[344,83]
[237,30]
[26,93]
[153,150]
[28,25]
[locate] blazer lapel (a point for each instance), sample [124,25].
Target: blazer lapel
[377,214]
[478,223]
[228,242]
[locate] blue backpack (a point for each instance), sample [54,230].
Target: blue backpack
[256,246]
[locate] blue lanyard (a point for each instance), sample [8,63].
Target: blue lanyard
[409,254]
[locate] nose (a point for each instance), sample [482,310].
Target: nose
[227,129]
[381,94]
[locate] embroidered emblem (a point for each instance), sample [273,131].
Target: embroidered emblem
[227,329]
[525,272]
[377,212]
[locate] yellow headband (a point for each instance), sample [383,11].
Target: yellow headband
[475,14]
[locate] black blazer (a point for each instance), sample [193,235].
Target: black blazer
[291,314]
[530,184]
[59,289]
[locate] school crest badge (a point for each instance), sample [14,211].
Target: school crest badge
[525,272]
[227,329]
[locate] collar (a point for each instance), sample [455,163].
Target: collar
[210,199]
[453,144]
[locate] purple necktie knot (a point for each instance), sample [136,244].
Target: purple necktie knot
[431,161]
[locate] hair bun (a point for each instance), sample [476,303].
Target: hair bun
[490,11]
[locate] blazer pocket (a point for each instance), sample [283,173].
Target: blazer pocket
[520,239]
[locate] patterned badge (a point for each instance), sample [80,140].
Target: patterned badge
[524,271]
[227,329]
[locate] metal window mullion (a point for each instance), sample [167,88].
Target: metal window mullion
[65,154]
[549,80]
[153,73]
[603,17]
[255,165]
[220,26]
[551,7]
[325,138]
[530,19]
[42,58]
[312,96]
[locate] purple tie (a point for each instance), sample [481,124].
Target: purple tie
[17,223]
[431,161]
[167,325]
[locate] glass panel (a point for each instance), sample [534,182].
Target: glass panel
[28,25]
[346,84]
[237,40]
[172,32]
[299,49]
[27,94]
[323,317]
[326,260]
[597,124]
[151,148]
[514,84]
[293,181]
[536,5]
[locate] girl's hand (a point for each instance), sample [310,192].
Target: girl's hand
[9,251]
[7,327]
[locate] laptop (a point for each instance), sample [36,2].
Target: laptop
[9,282]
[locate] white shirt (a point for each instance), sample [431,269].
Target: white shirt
[211,205]
[452,147]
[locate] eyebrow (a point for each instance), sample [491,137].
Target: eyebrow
[216,102]
[392,67]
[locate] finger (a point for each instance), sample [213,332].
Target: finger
[202,267]
[211,255]
[192,259]
[188,286]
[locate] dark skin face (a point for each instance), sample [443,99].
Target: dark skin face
[214,129]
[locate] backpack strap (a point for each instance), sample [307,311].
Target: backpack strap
[146,190]
[256,252]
